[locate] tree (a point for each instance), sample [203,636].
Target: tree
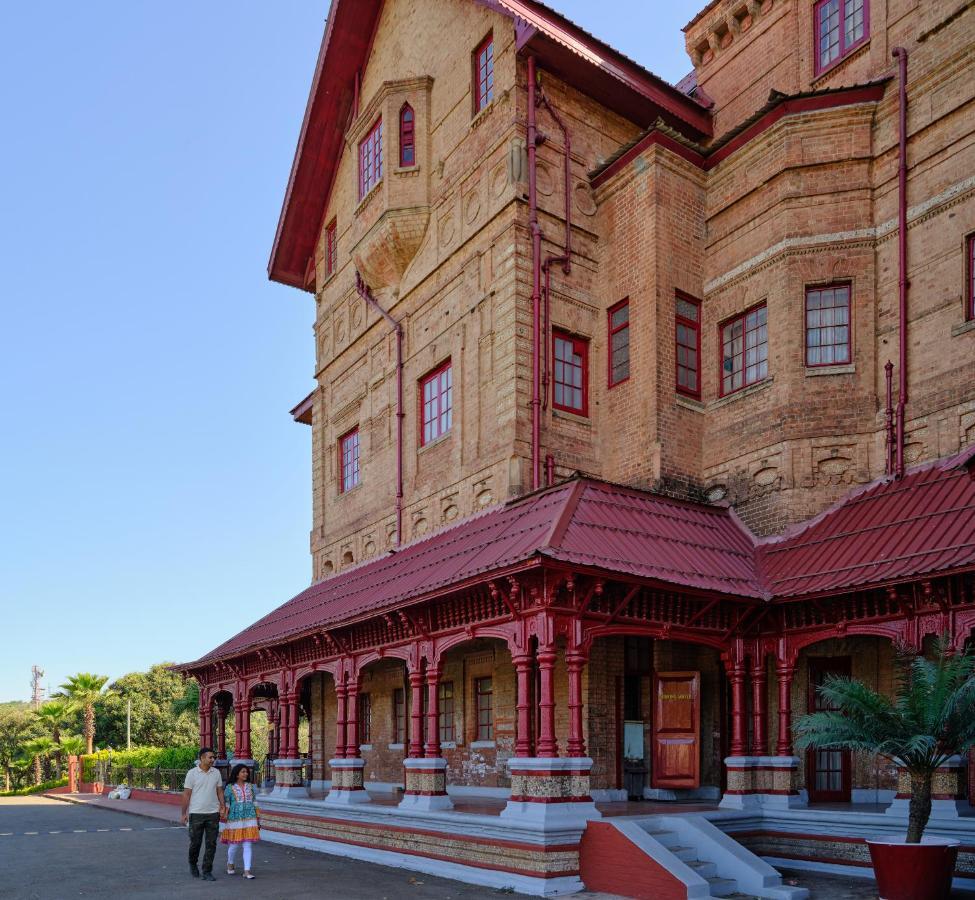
[39,749]
[930,719]
[83,691]
[189,702]
[17,727]
[53,716]
[155,723]
[72,745]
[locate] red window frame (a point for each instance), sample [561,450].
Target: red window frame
[445,702]
[350,470]
[484,73]
[407,136]
[970,279]
[484,708]
[567,366]
[330,248]
[687,341]
[754,329]
[365,719]
[371,159]
[436,407]
[828,326]
[399,716]
[618,372]
[837,16]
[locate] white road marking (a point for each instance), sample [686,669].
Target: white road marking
[54,832]
[6,833]
[85,830]
[104,829]
[30,832]
[125,829]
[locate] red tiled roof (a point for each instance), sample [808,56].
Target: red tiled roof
[885,532]
[584,522]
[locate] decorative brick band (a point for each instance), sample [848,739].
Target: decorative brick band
[288,772]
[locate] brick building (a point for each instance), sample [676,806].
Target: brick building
[640,408]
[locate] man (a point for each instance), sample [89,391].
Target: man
[203,805]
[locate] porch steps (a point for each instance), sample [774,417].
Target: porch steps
[674,857]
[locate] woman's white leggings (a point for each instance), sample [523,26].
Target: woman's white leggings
[232,853]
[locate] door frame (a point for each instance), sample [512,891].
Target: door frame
[821,665]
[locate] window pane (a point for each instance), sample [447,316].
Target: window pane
[437,393]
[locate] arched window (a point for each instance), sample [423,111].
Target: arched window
[407,144]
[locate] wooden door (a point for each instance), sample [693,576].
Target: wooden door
[827,771]
[676,761]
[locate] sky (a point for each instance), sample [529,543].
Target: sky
[155,496]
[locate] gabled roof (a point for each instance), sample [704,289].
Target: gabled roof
[885,532]
[586,523]
[560,46]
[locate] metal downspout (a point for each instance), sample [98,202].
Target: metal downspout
[900,54]
[366,295]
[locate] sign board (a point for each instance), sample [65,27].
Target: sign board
[676,754]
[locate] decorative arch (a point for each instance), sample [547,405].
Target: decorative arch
[590,634]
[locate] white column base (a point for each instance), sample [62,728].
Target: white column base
[940,809]
[551,815]
[551,792]
[426,784]
[347,788]
[289,790]
[425,802]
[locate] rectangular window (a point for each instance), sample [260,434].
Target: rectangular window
[619,342]
[484,707]
[840,26]
[365,719]
[744,350]
[371,159]
[349,460]
[570,365]
[484,74]
[445,699]
[436,403]
[687,337]
[399,716]
[970,256]
[330,248]
[828,325]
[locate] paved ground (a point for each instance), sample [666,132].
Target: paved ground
[52,850]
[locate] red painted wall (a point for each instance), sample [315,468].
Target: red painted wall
[609,862]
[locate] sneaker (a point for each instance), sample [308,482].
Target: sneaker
[194,871]
[208,876]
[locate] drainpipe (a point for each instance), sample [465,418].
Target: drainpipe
[890,436]
[565,259]
[900,54]
[536,235]
[366,295]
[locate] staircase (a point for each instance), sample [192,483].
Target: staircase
[674,857]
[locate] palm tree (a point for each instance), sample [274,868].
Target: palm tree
[73,745]
[54,715]
[39,749]
[190,701]
[930,719]
[83,691]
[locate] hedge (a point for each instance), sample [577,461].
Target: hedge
[35,788]
[148,757]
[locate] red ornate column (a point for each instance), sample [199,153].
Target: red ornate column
[348,767]
[576,746]
[759,706]
[784,673]
[341,703]
[523,740]
[547,745]
[736,678]
[222,732]
[432,747]
[203,724]
[416,714]
[352,720]
[244,748]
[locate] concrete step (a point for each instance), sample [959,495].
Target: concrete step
[703,868]
[722,887]
[669,839]
[684,854]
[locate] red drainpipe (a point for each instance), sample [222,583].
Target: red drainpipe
[536,235]
[890,437]
[900,54]
[366,295]
[566,256]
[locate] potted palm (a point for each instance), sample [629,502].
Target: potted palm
[930,719]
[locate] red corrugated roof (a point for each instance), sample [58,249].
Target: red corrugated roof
[584,522]
[885,532]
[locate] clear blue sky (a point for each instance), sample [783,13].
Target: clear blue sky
[154,495]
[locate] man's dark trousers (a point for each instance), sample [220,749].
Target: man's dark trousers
[200,824]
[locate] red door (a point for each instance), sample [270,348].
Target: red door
[676,761]
[827,771]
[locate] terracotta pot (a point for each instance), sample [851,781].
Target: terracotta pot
[913,871]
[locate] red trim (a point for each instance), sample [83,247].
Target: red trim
[970,277]
[844,49]
[727,323]
[330,254]
[524,798]
[653,139]
[483,84]
[610,332]
[580,348]
[546,773]
[425,793]
[426,379]
[407,136]
[695,325]
[763,791]
[356,474]
[831,286]
[371,158]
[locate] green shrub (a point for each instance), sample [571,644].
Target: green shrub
[36,788]
[146,757]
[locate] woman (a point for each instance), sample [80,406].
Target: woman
[241,826]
